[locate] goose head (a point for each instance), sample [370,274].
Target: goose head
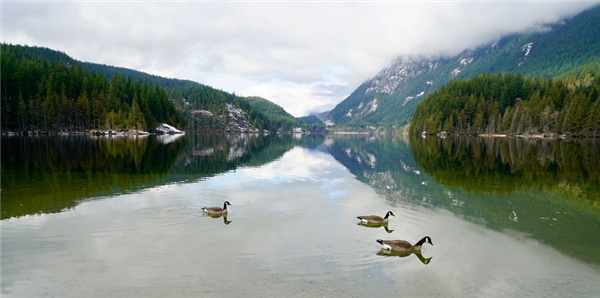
[425,239]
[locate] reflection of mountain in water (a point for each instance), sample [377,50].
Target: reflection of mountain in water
[47,174]
[547,190]
[386,164]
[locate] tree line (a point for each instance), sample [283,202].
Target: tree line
[56,95]
[513,104]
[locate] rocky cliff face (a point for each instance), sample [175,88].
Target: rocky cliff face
[399,73]
[236,120]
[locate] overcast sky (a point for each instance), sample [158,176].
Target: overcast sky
[304,56]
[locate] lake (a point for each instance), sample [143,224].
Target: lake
[96,216]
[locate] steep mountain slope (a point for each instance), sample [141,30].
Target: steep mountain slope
[390,98]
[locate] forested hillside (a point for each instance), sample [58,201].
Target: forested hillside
[47,91]
[50,93]
[208,109]
[391,97]
[282,119]
[513,104]
[276,114]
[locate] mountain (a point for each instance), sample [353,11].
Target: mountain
[281,119]
[39,82]
[322,116]
[50,55]
[391,97]
[312,119]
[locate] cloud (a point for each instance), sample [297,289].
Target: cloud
[305,56]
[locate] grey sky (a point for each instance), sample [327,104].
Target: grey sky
[304,56]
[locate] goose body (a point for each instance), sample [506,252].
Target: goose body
[216,210]
[375,219]
[401,245]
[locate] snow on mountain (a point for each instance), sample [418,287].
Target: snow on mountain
[526,49]
[400,72]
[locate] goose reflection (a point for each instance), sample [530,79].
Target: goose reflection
[375,225]
[404,254]
[223,215]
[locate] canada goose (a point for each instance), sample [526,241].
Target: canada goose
[375,218]
[404,254]
[401,245]
[216,210]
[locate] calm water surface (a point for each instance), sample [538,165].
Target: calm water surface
[98,217]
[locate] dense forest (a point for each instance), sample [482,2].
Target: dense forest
[54,95]
[280,118]
[514,104]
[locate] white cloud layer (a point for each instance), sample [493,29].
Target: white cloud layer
[304,56]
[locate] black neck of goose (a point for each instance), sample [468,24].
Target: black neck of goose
[387,215]
[224,206]
[420,243]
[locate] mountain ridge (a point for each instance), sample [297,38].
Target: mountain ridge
[390,98]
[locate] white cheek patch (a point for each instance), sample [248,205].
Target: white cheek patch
[364,220]
[385,246]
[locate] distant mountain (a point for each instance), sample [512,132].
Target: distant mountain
[390,98]
[322,116]
[312,119]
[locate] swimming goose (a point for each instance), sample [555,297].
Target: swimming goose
[375,218]
[401,245]
[216,210]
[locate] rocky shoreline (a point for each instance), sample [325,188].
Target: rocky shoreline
[160,130]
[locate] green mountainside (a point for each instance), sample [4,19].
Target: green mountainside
[282,119]
[41,88]
[278,116]
[312,119]
[390,99]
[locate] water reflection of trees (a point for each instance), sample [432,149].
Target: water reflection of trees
[47,174]
[490,165]
[547,190]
